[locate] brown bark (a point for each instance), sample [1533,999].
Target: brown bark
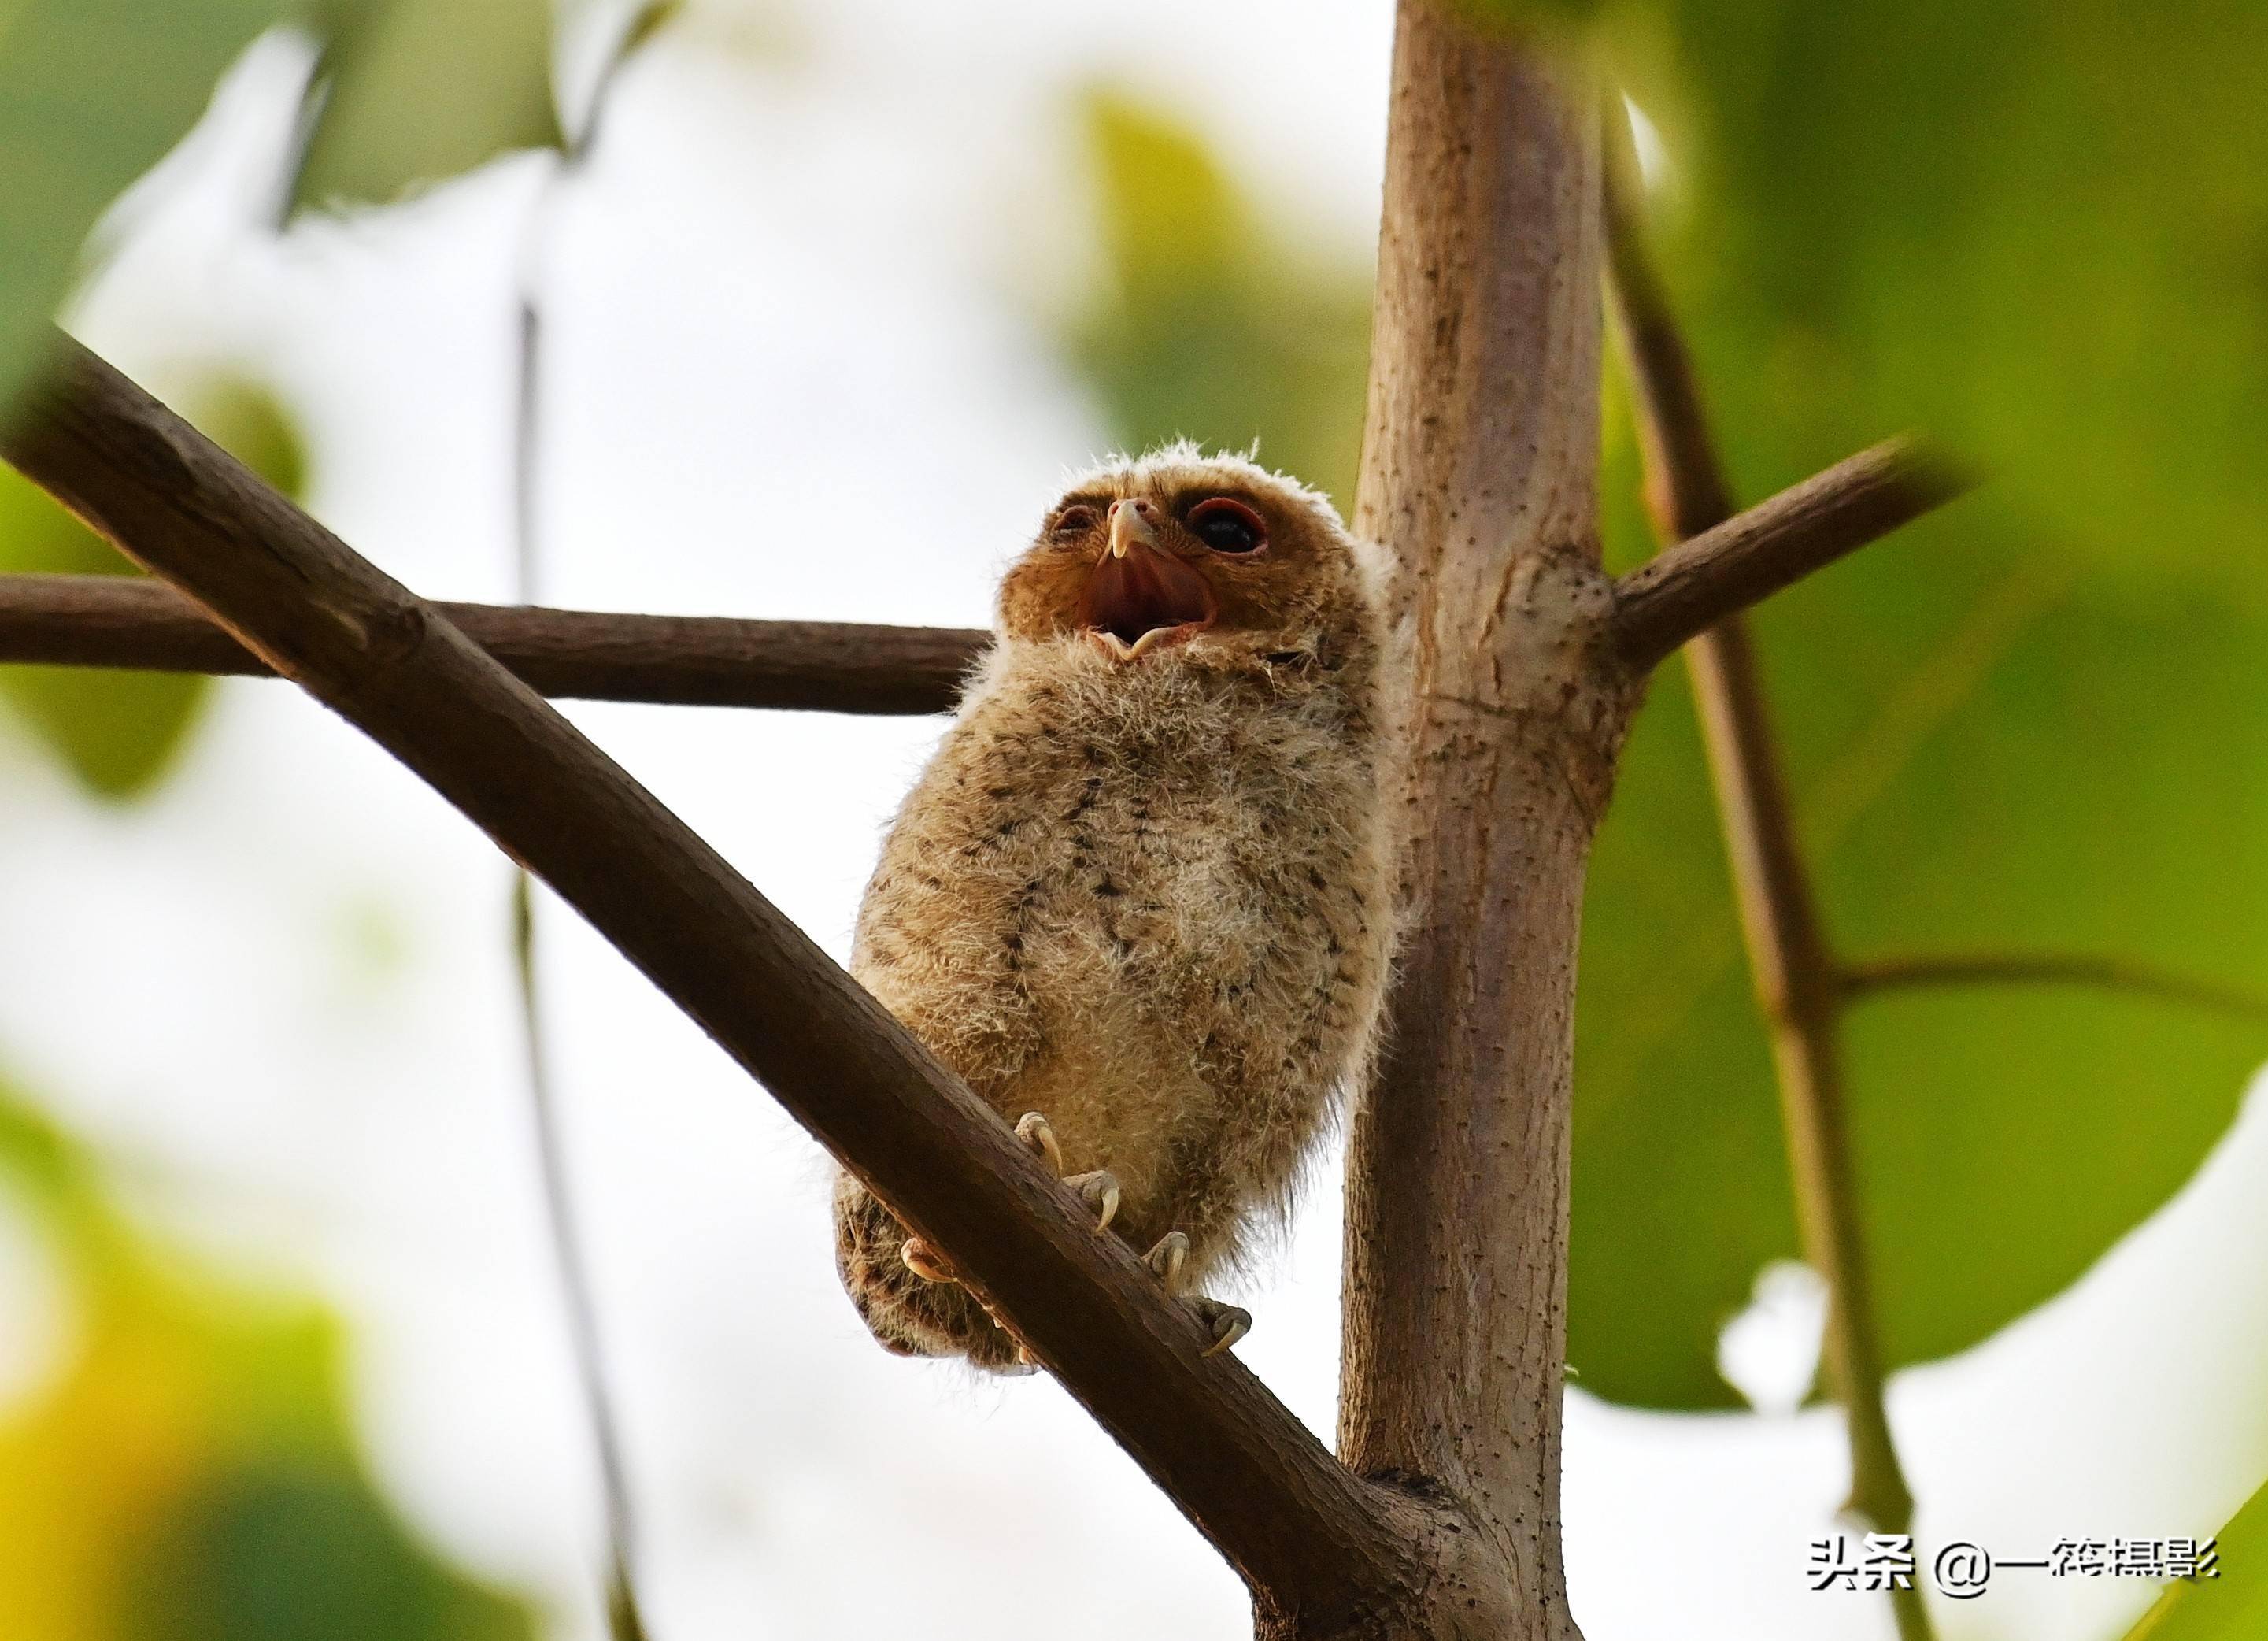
[583,654]
[1479,475]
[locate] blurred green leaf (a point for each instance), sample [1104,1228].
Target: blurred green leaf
[413,92]
[119,732]
[92,93]
[294,1548]
[1211,327]
[1983,756]
[2038,722]
[2232,1606]
[649,19]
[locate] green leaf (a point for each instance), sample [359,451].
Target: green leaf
[1983,758]
[92,93]
[2232,1606]
[119,732]
[413,92]
[2038,722]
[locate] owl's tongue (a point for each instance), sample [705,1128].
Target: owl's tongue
[1143,591]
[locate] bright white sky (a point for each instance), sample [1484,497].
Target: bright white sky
[797,371]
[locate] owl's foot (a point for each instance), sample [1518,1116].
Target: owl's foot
[1228,1323]
[1099,1192]
[1035,1131]
[1097,1189]
[924,1262]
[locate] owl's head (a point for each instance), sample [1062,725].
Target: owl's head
[1181,557]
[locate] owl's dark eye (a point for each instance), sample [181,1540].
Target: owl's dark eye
[1227,526]
[1073,522]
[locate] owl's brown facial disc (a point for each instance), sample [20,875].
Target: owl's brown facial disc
[1139,596]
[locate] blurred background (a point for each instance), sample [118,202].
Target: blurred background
[832,305]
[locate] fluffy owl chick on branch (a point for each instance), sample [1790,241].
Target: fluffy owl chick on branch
[1139,898]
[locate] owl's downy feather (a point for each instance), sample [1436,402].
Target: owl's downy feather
[1148,896]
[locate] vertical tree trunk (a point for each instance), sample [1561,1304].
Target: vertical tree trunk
[1479,475]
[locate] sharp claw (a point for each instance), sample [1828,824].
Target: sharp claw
[1099,1192]
[924,1263]
[1167,1258]
[1229,1324]
[1034,1130]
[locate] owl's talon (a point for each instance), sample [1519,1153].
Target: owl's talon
[1035,1132]
[1167,1258]
[1229,1322]
[923,1262]
[1099,1191]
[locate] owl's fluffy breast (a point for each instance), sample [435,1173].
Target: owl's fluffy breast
[1151,901]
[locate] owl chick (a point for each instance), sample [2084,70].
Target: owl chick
[1140,894]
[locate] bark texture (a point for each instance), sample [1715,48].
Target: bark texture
[1480,477]
[579,654]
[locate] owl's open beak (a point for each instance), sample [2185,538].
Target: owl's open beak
[1139,596]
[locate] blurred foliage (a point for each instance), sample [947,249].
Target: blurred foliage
[1211,325]
[411,91]
[92,93]
[2231,1608]
[118,732]
[2037,722]
[186,1475]
[2021,725]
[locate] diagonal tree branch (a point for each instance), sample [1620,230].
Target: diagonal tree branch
[1712,571]
[1796,981]
[1877,975]
[692,660]
[1307,1535]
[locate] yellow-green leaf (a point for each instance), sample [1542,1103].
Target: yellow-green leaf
[413,92]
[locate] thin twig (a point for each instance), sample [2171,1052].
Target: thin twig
[1714,571]
[1307,1535]
[1797,979]
[576,654]
[1877,975]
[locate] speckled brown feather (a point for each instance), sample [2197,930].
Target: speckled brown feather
[1147,898]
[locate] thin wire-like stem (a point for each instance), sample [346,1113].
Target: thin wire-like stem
[1877,975]
[625,1621]
[1798,983]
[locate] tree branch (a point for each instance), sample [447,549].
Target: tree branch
[1305,1532]
[840,667]
[2046,968]
[1479,475]
[1715,573]
[692,660]
[1690,585]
